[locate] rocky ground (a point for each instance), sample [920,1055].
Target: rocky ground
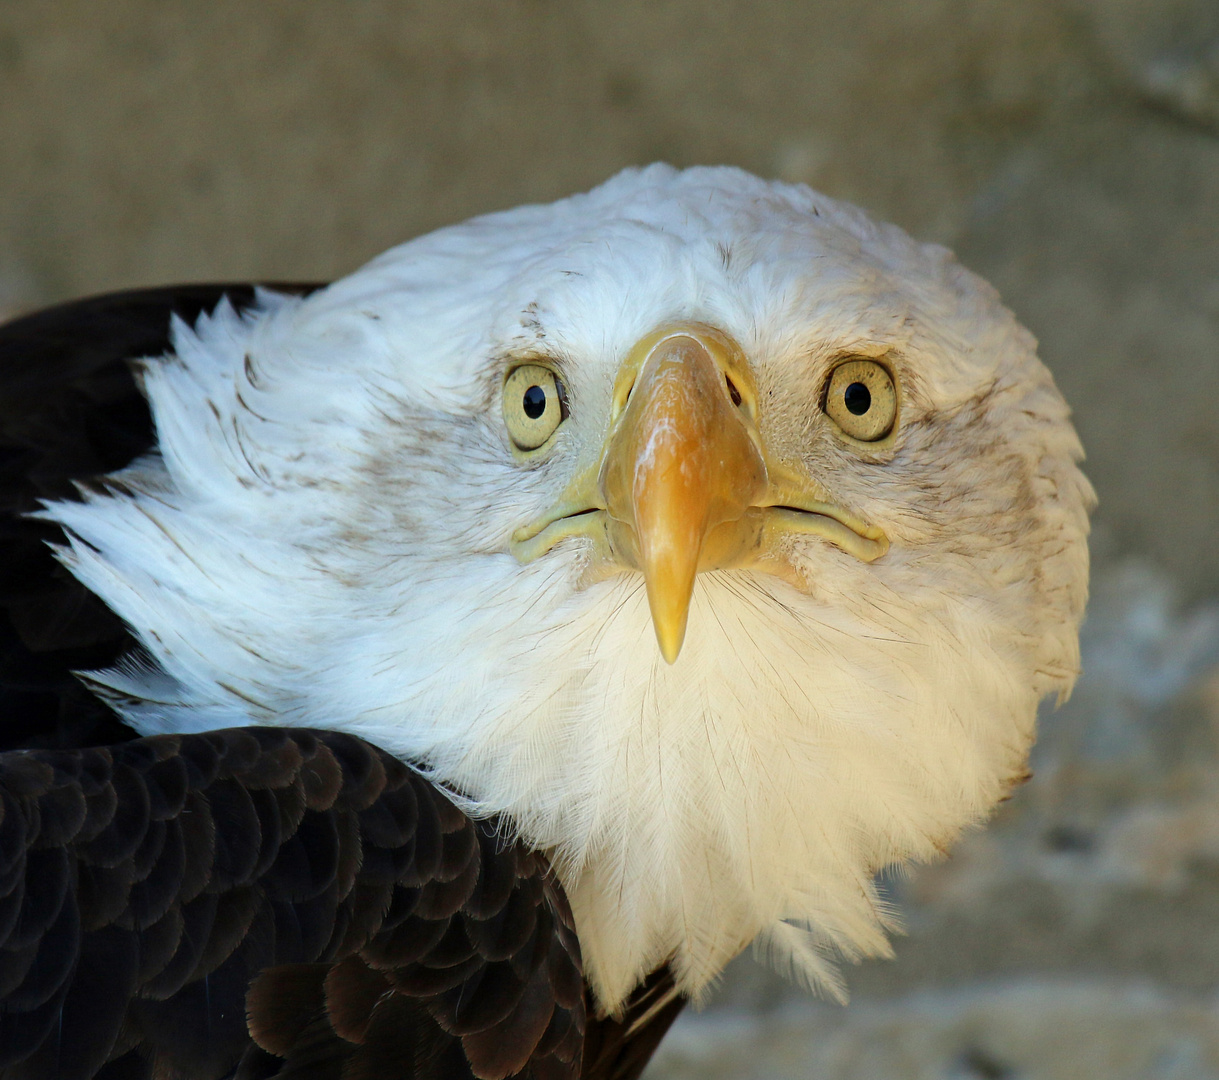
[1067,149]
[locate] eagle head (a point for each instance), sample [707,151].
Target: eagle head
[720,540]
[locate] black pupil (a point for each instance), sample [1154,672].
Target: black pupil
[857,399]
[535,402]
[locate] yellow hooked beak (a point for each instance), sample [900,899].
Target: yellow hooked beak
[679,464]
[684,483]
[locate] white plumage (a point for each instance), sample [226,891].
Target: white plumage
[323,540]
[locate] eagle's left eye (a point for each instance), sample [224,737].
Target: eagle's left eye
[861,399]
[535,404]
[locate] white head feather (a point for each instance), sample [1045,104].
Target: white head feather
[322,540]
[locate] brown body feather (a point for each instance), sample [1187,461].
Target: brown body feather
[255,902]
[158,890]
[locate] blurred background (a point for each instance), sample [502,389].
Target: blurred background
[1068,150]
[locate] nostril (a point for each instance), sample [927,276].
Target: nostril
[621,400]
[733,392]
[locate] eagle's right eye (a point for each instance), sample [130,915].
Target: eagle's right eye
[535,404]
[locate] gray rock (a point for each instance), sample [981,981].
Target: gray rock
[1032,1030]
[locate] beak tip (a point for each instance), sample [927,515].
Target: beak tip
[670,643]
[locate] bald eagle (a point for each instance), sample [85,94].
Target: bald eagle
[515,630]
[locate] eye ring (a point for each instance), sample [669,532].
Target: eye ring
[861,398]
[534,405]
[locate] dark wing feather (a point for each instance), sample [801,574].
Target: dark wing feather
[153,921]
[69,411]
[618,1048]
